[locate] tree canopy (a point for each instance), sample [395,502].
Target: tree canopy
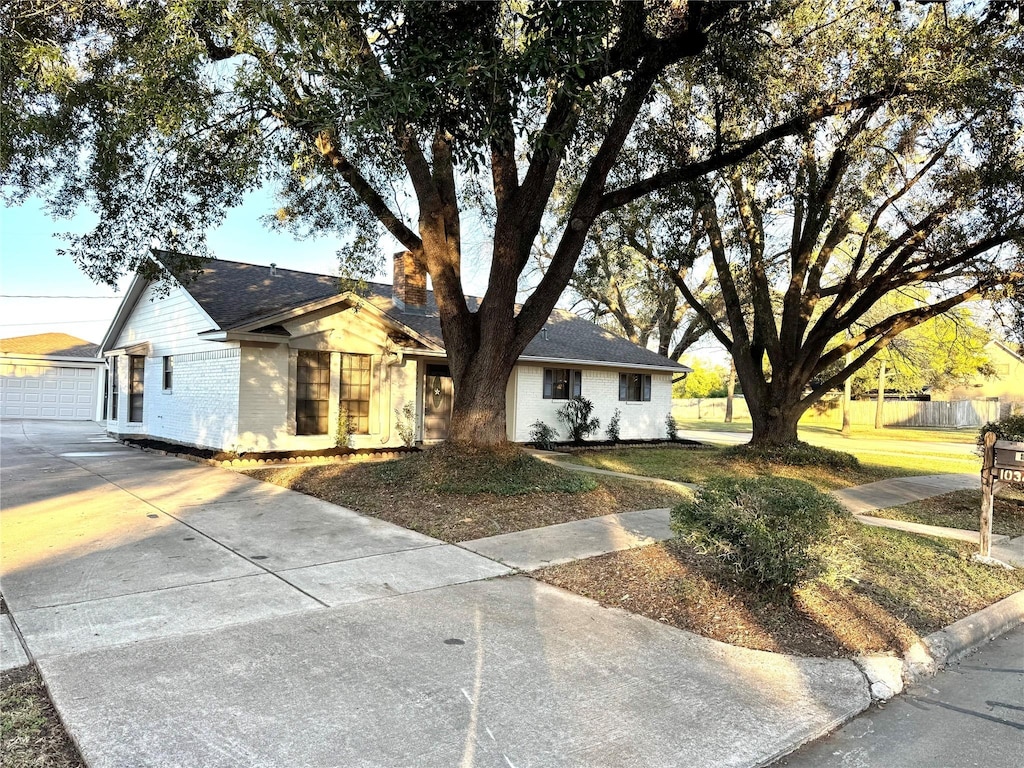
[397,118]
[919,194]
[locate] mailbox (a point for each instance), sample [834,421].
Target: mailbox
[1008,465]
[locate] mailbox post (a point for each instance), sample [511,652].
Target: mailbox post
[1003,463]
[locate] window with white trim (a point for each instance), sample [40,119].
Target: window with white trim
[312,392]
[168,372]
[137,381]
[355,391]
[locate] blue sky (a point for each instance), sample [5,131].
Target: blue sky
[30,267]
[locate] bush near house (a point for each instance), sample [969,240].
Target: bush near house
[576,415]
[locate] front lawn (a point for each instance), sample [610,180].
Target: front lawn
[903,587]
[31,735]
[698,466]
[457,497]
[962,509]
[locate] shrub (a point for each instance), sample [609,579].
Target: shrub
[775,532]
[797,454]
[671,430]
[405,424]
[1010,428]
[575,414]
[612,431]
[344,429]
[542,436]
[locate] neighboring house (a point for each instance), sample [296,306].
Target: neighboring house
[1006,382]
[50,376]
[255,358]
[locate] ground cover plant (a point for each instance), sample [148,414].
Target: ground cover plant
[898,587]
[961,509]
[457,497]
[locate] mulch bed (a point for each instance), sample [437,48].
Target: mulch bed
[208,454]
[671,583]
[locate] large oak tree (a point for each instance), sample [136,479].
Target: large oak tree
[388,117]
[920,196]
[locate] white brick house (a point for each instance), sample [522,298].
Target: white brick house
[254,358]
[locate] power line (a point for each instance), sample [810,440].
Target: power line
[57,322]
[27,296]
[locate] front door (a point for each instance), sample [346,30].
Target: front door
[437,402]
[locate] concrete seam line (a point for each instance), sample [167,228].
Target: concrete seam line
[949,644]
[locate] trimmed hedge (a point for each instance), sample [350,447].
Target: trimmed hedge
[797,454]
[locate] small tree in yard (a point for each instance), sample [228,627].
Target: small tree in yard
[575,414]
[612,430]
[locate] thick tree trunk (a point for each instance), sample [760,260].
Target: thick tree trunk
[478,412]
[776,425]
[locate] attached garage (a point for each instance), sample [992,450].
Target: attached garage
[50,376]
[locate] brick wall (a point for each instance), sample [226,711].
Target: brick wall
[644,420]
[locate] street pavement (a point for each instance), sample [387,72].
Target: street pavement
[971,714]
[184,615]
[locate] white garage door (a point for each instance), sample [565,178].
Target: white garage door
[48,391]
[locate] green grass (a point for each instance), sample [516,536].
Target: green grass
[506,473]
[31,735]
[698,466]
[808,431]
[928,582]
[962,509]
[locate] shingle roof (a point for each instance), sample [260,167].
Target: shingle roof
[236,294]
[57,344]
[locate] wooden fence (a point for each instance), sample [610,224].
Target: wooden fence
[895,413]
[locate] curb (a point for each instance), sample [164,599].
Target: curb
[889,675]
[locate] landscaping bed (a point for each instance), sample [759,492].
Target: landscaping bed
[214,456]
[962,509]
[31,734]
[605,445]
[457,497]
[904,587]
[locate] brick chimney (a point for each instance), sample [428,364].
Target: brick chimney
[409,289]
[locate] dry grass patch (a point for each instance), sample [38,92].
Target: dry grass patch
[962,509]
[458,497]
[31,735]
[904,587]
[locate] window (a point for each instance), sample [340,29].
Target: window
[312,393]
[634,387]
[106,393]
[168,372]
[355,391]
[562,383]
[114,388]
[137,370]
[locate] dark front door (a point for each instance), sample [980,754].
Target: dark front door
[437,402]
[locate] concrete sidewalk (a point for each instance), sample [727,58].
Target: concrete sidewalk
[185,616]
[896,491]
[540,547]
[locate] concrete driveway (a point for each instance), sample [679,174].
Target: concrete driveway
[183,615]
